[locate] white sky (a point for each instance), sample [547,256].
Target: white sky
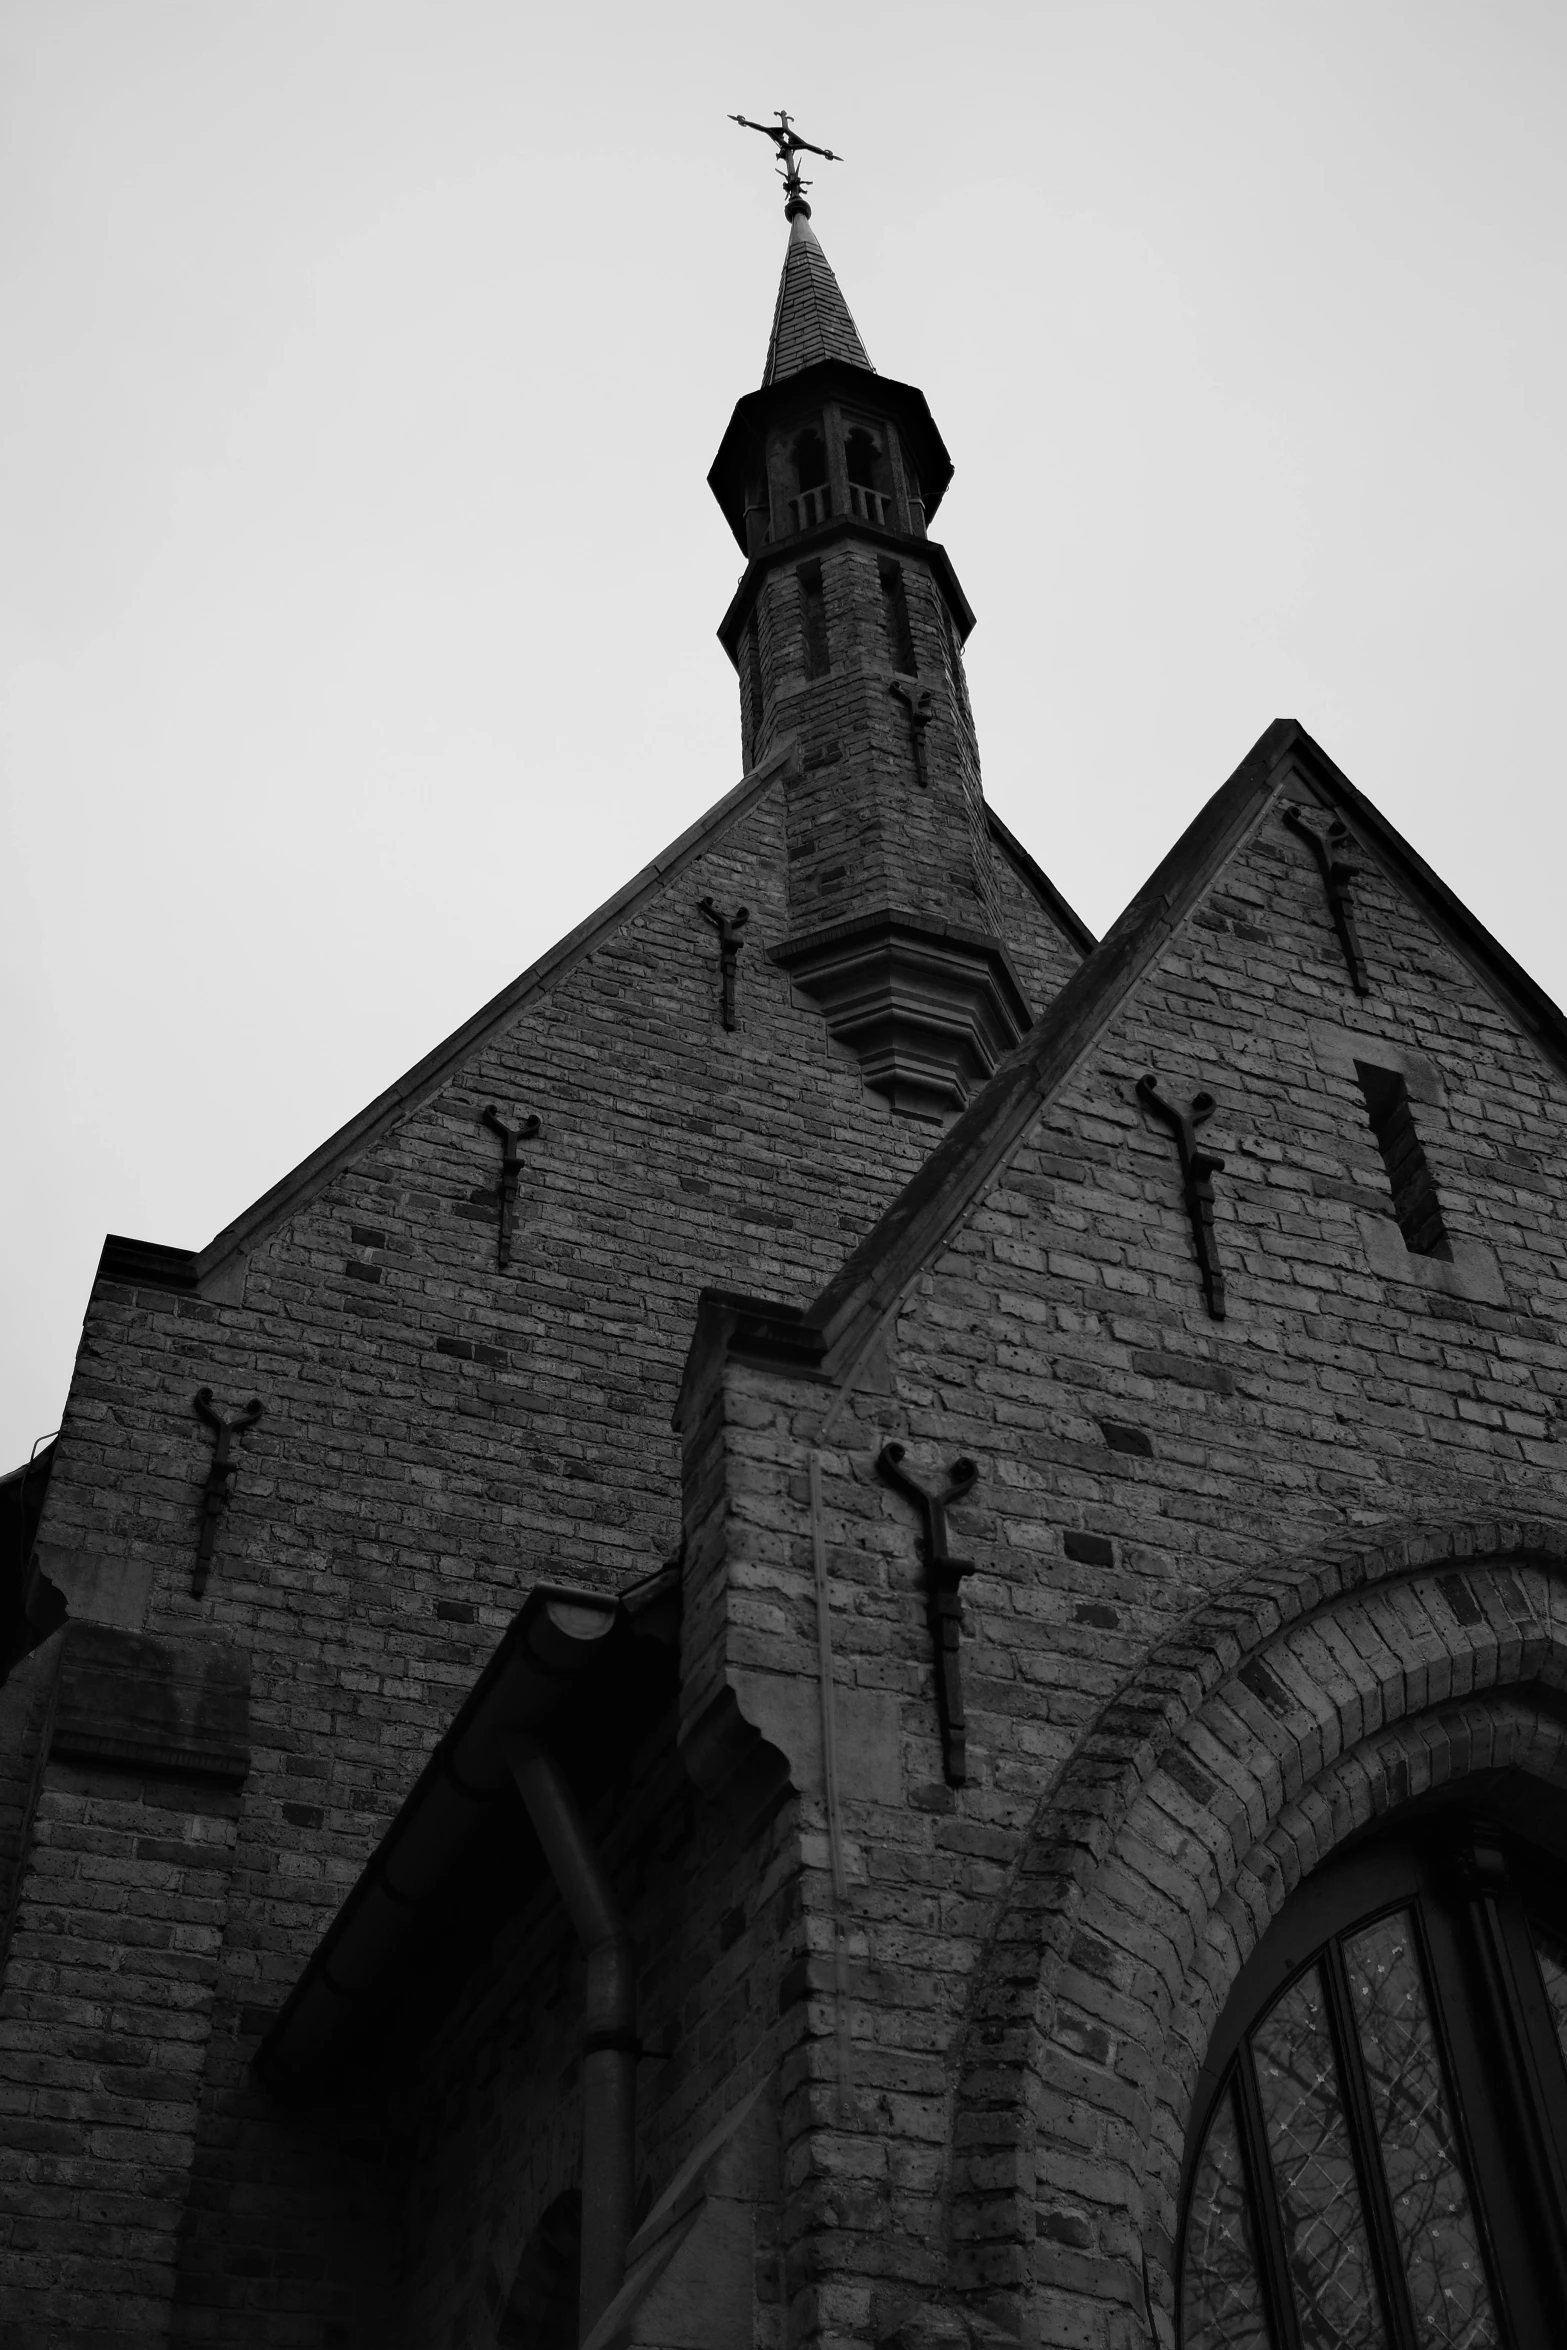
[358,575]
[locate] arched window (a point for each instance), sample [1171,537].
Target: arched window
[869,480]
[810,459]
[1380,2158]
[862,458]
[808,456]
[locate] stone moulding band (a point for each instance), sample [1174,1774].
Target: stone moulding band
[928,1011]
[130,1701]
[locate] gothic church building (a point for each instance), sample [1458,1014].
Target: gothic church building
[854,1631]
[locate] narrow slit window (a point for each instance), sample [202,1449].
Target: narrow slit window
[1415,1201]
[955,674]
[753,662]
[813,619]
[895,617]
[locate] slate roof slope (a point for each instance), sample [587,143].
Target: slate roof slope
[849,1311]
[812,321]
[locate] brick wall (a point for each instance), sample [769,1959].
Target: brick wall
[437,1435]
[26,1708]
[863,832]
[1002,2115]
[492,2108]
[103,2035]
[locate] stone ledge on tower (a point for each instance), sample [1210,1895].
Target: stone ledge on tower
[927,1009]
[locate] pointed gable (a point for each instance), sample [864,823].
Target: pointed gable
[812,321]
[919,1222]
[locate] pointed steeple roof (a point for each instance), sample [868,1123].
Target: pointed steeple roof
[812,321]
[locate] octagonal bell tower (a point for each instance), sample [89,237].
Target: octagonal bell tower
[847,633]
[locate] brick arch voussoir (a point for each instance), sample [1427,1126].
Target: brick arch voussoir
[1499,1727]
[991,2198]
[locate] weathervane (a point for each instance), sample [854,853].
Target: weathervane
[790,148]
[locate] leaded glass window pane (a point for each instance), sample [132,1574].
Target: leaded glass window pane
[1327,2250]
[1553,1970]
[1433,2218]
[1221,2294]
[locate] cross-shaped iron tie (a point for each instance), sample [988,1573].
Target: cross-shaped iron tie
[1198,1168]
[728,927]
[511,1170]
[221,1473]
[916,700]
[1334,854]
[943,1605]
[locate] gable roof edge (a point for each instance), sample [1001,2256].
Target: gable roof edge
[1523,998]
[427,1076]
[1034,877]
[869,1284]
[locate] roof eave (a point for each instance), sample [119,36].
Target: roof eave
[547,1656]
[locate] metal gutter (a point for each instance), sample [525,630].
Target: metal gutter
[610,2047]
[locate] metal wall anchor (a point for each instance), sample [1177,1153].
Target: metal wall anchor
[728,927]
[1198,1168]
[916,700]
[1339,874]
[221,1474]
[511,1170]
[943,1604]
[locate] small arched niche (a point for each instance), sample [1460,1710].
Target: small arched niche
[1379,2153]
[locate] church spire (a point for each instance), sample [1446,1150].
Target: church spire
[846,631]
[811,320]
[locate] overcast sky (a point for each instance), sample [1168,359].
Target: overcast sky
[358,576]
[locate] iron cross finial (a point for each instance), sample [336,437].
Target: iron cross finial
[790,148]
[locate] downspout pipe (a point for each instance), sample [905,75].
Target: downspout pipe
[610,2047]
